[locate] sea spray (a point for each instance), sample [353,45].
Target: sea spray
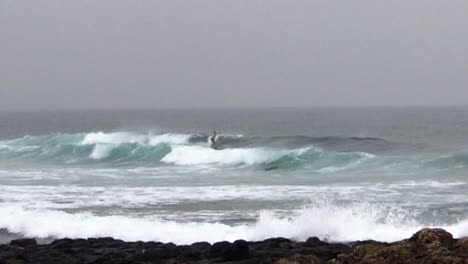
[326,221]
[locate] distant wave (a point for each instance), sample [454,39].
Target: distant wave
[322,154]
[175,149]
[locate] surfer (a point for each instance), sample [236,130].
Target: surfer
[213,137]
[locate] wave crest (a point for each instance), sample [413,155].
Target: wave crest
[126,137]
[176,149]
[344,223]
[268,157]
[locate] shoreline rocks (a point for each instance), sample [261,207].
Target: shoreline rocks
[425,246]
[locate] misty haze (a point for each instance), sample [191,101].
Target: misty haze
[160,54]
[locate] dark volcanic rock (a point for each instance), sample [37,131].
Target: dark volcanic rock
[236,251]
[239,250]
[24,242]
[299,259]
[201,248]
[11,254]
[277,242]
[426,246]
[313,242]
[219,249]
[430,236]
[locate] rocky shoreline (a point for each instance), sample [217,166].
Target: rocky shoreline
[426,246]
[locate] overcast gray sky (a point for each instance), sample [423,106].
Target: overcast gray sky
[252,53]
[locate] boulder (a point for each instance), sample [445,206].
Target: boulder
[314,242]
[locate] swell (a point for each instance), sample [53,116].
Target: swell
[173,149]
[233,141]
[226,141]
[324,154]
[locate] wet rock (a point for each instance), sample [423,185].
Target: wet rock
[236,251]
[429,236]
[219,249]
[461,248]
[200,248]
[299,259]
[425,246]
[239,250]
[12,254]
[165,251]
[325,251]
[24,242]
[381,254]
[63,243]
[314,242]
[276,242]
[359,243]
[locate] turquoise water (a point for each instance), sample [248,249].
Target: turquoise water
[340,174]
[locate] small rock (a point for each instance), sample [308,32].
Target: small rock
[431,235]
[236,251]
[219,249]
[239,250]
[314,242]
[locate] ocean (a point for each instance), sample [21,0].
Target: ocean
[341,174]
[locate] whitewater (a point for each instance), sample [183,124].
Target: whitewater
[171,185]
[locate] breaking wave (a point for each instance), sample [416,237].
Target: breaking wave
[175,149]
[324,220]
[327,154]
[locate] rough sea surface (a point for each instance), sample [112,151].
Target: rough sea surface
[341,174]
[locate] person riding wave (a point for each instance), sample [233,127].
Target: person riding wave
[213,137]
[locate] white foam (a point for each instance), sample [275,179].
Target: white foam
[118,138]
[427,183]
[106,142]
[58,197]
[111,138]
[197,155]
[175,139]
[423,197]
[101,151]
[4,146]
[335,223]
